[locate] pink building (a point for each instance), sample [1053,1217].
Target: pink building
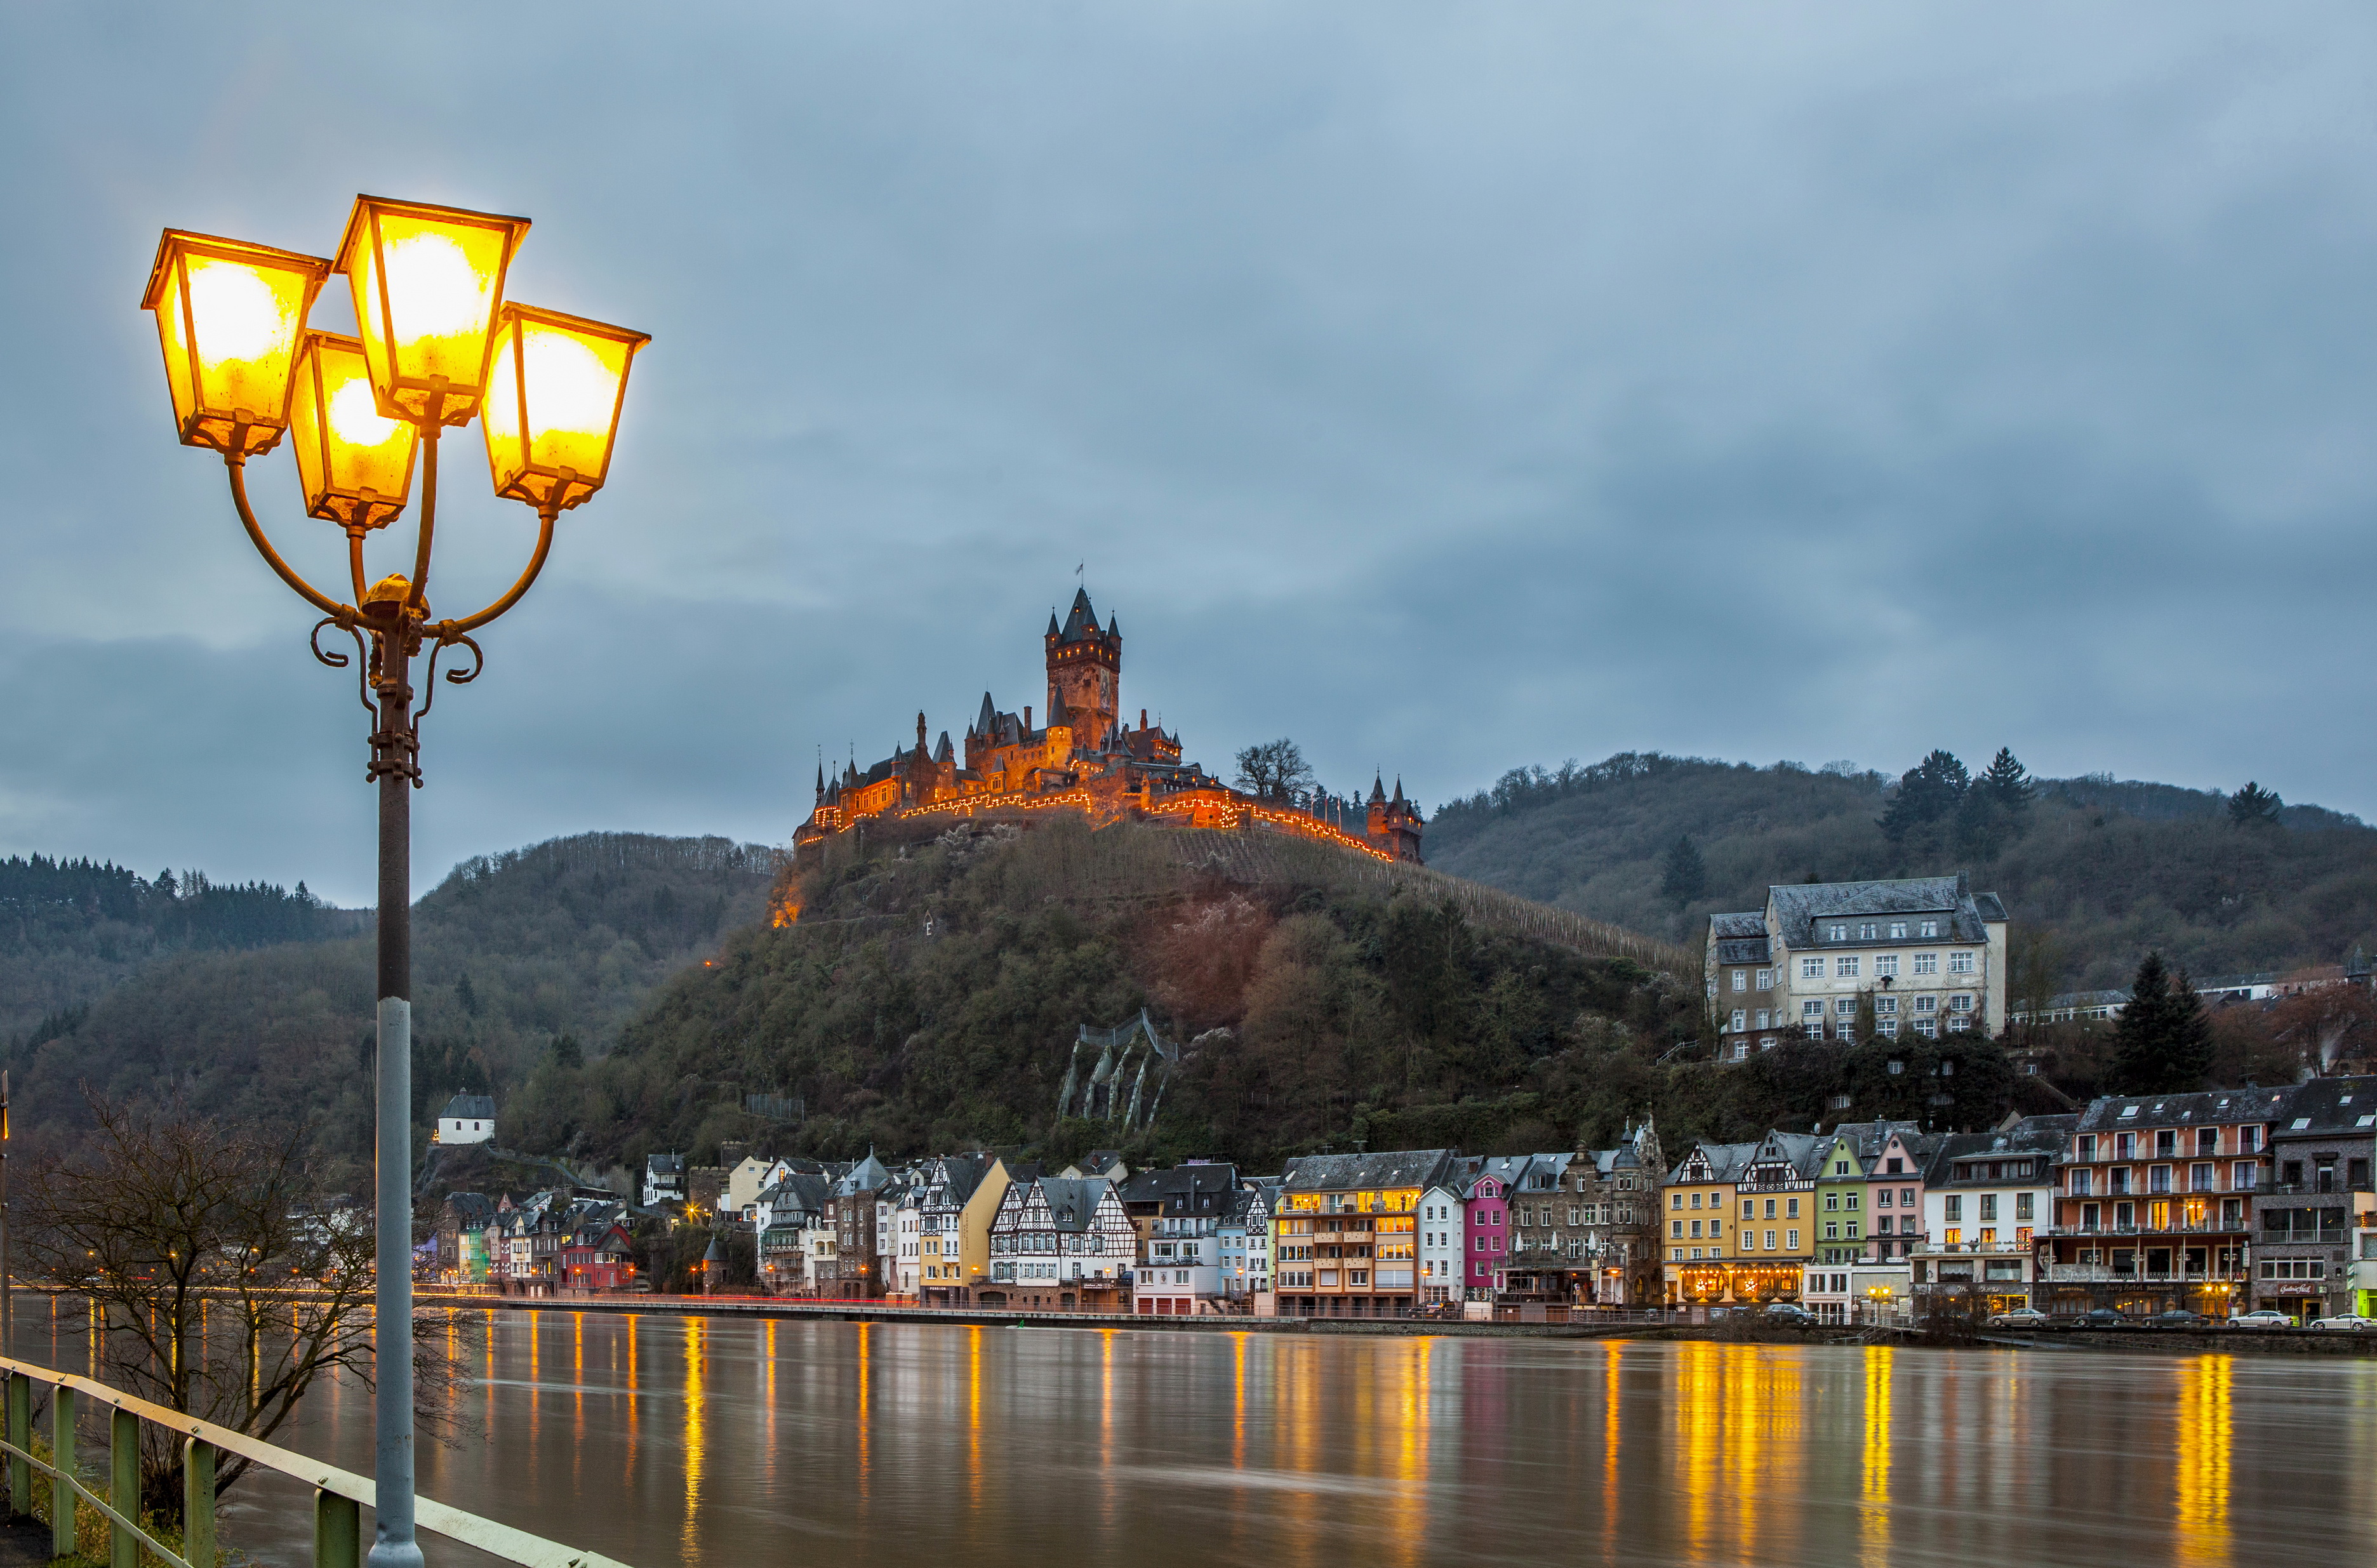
[1486,1212]
[1894,1201]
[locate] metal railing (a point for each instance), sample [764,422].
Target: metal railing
[340,1496]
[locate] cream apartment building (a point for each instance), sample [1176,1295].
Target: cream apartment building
[1927,952]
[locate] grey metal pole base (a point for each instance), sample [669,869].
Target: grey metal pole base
[392,1537]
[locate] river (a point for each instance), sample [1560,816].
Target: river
[662,1440]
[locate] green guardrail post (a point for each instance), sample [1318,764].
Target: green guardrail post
[198,1504]
[124,1487]
[20,1434]
[338,1531]
[62,1455]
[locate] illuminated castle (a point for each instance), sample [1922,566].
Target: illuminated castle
[1084,757]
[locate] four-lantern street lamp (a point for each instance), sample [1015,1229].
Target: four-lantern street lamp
[438,346]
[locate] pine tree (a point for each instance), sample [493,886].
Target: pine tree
[1687,873]
[2008,782]
[2254,806]
[2162,1043]
[466,995]
[564,1051]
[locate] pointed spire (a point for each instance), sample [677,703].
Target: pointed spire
[1377,790]
[1399,789]
[1052,621]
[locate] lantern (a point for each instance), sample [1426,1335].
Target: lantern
[354,464]
[229,315]
[427,280]
[555,385]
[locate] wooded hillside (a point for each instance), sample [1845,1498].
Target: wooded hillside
[2106,869]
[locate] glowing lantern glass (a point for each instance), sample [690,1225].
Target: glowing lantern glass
[427,283]
[354,463]
[555,385]
[229,315]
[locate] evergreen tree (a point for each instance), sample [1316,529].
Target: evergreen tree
[2162,1043]
[2254,806]
[564,1052]
[1687,873]
[465,994]
[1928,791]
[2007,782]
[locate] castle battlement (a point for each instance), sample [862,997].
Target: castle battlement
[1084,756]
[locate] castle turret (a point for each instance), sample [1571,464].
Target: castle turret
[1392,825]
[1084,670]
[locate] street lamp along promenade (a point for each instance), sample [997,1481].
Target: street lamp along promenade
[438,346]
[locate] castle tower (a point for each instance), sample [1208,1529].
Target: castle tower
[1392,825]
[1085,671]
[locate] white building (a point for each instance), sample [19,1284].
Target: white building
[1061,1235]
[751,1177]
[1244,1238]
[1988,1200]
[467,1119]
[1441,1229]
[1926,953]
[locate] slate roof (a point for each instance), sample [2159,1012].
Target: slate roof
[1183,1189]
[866,1176]
[664,1164]
[1337,1173]
[1797,906]
[2166,1110]
[1072,1204]
[474,1108]
[1727,1161]
[2330,1105]
[1744,949]
[1748,923]
[2037,1135]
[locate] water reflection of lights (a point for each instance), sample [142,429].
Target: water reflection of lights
[2202,1477]
[1873,1488]
[696,1437]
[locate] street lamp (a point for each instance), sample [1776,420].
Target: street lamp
[438,346]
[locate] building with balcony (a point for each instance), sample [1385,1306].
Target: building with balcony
[1987,1197]
[1926,953]
[1353,1222]
[2313,1215]
[1060,1244]
[2155,1207]
[1741,1221]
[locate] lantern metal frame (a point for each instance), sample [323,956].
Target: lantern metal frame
[251,432]
[391,624]
[446,401]
[568,487]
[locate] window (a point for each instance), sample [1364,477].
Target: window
[1866,931]
[1926,1004]
[1770,1239]
[1926,964]
[1846,968]
[1812,969]
[2166,1143]
[1717,1227]
[1765,1019]
[1846,1007]
[1741,979]
[1837,933]
[1989,1205]
[1930,928]
[1791,1239]
[1812,1012]
[1898,930]
[1960,1003]
[1952,1236]
[1886,964]
[1791,1210]
[1740,1019]
[2207,1139]
[1678,1198]
[1960,963]
[1770,1208]
[1831,1202]
[1676,1230]
[2087,1149]
[1832,1230]
[2080,1180]
[1928,1028]
[2248,1140]
[1766,980]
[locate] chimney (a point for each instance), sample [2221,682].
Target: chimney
[1027,718]
[1142,719]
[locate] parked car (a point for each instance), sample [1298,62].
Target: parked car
[2018,1316]
[1788,1313]
[2261,1318]
[2103,1317]
[2179,1317]
[2351,1321]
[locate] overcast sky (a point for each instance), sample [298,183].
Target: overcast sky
[1448,388]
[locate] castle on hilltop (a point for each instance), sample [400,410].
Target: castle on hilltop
[1084,757]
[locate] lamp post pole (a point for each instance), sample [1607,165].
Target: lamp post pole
[394,746]
[440,346]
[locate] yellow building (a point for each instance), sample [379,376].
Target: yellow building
[1740,1221]
[961,1194]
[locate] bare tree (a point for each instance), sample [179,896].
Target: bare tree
[1275,771]
[227,1286]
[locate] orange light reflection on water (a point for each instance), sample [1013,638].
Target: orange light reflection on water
[696,1436]
[1873,1482]
[2201,1477]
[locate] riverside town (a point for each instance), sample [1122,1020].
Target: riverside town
[611,958]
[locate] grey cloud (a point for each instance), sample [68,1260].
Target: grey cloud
[1448,389]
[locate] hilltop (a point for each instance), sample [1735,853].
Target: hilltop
[2095,870]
